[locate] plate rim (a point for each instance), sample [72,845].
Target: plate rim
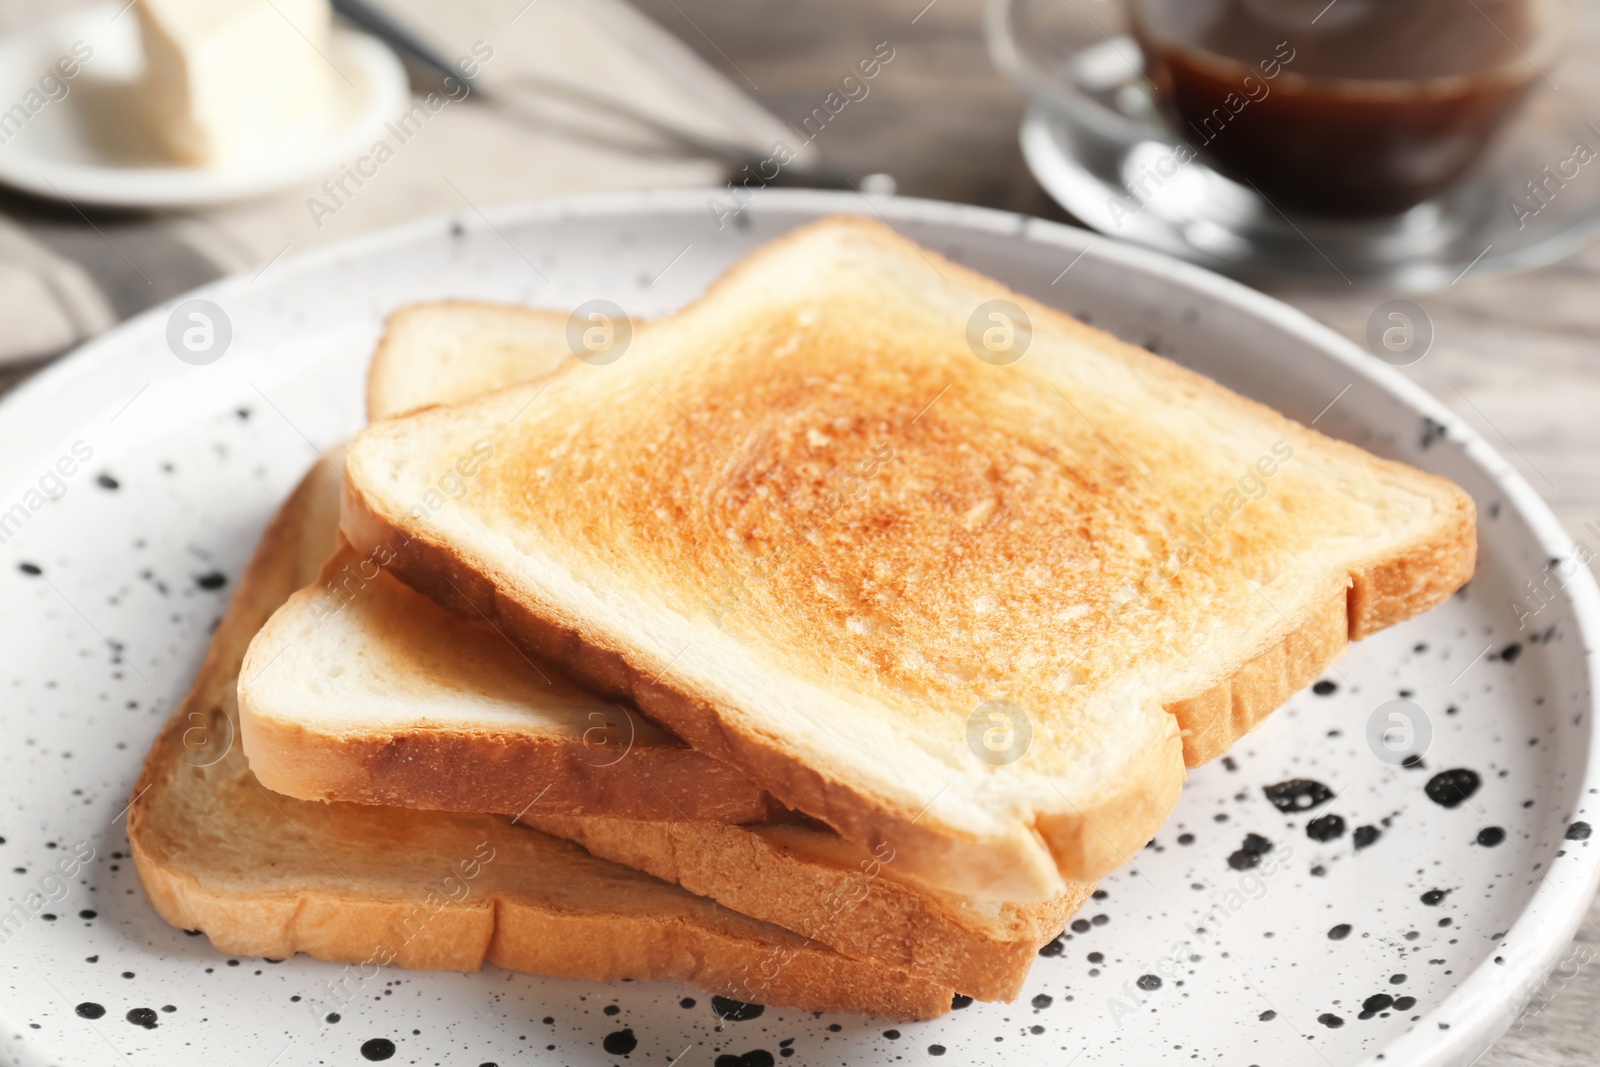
[1552,913]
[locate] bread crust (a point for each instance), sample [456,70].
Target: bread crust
[1216,718]
[218,853]
[816,884]
[523,935]
[475,770]
[1421,575]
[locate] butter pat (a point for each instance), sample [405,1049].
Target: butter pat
[228,81]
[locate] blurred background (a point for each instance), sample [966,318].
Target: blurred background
[125,179]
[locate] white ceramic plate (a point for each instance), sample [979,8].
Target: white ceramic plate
[81,142]
[199,457]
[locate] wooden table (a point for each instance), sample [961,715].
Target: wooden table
[1512,355]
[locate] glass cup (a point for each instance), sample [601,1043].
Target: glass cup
[1345,109]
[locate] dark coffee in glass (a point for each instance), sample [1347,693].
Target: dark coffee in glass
[1354,108]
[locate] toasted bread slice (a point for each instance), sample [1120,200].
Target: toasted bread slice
[808,530]
[451,350]
[268,875]
[359,689]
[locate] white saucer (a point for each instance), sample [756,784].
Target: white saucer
[84,147]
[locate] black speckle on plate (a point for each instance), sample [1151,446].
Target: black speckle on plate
[620,1043]
[1330,1020]
[1374,1004]
[1148,982]
[1250,852]
[1450,788]
[1325,688]
[1297,794]
[1578,831]
[1365,835]
[1491,836]
[1339,933]
[30,569]
[736,1010]
[90,1010]
[1405,1003]
[1434,897]
[105,481]
[1043,1000]
[1510,653]
[1325,828]
[145,1017]
[378,1048]
[759,1057]
[1432,433]
[211,580]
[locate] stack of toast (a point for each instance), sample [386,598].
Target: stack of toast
[802,652]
